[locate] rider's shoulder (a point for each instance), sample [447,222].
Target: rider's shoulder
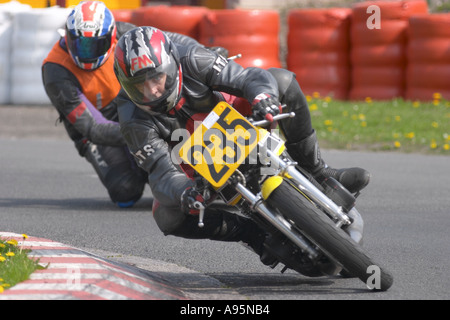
[199,58]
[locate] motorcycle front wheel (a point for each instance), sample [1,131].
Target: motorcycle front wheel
[333,241]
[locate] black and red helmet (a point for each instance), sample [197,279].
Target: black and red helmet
[144,54]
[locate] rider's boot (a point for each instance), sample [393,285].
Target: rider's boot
[307,154]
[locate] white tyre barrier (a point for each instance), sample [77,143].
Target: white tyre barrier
[7,12]
[34,34]
[5,48]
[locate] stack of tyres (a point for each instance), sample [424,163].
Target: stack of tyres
[5,55]
[379,40]
[7,12]
[35,33]
[252,33]
[428,57]
[180,19]
[124,15]
[318,50]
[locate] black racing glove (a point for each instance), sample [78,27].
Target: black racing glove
[265,107]
[190,199]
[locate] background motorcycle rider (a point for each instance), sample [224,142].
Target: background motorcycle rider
[182,83]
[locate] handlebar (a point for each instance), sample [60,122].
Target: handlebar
[235,57]
[281,116]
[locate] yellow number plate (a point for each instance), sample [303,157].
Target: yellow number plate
[220,144]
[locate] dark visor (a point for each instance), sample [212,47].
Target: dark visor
[87,48]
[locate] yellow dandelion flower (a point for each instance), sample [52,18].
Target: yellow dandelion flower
[308,98]
[368,100]
[5,285]
[330,129]
[345,113]
[313,107]
[12,242]
[25,236]
[2,258]
[433,144]
[396,135]
[446,147]
[2,245]
[437,96]
[328,122]
[316,94]
[397,144]
[1,289]
[10,254]
[354,117]
[416,104]
[410,135]
[361,117]
[363,124]
[398,118]
[436,102]
[434,124]
[327,99]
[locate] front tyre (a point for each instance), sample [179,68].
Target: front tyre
[335,242]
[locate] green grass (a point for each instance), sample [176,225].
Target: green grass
[397,125]
[15,265]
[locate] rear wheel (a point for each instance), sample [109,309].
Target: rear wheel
[335,242]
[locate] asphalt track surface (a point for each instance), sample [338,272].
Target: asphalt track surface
[48,192]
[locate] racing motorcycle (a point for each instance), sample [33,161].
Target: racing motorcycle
[313,228]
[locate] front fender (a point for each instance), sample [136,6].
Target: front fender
[269,185]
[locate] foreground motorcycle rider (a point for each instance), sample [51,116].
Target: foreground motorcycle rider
[167,86]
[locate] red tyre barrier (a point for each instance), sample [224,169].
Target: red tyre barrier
[252,33]
[378,55]
[123,15]
[180,19]
[318,50]
[428,70]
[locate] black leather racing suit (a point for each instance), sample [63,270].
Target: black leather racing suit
[96,133]
[149,138]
